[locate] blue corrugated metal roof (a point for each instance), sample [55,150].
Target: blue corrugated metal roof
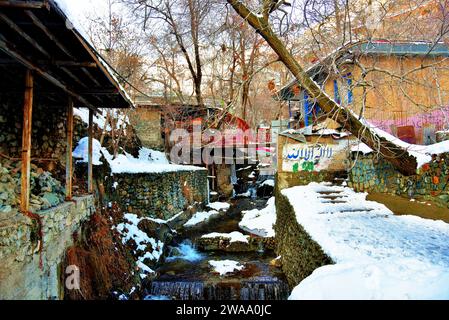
[381,48]
[411,48]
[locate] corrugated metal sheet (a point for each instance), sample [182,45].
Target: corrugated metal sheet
[414,48]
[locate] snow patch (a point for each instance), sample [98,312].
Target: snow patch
[361,147]
[225,266]
[200,217]
[129,230]
[260,222]
[234,236]
[219,206]
[82,151]
[148,161]
[268,182]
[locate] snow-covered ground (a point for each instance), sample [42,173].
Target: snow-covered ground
[148,161]
[219,206]
[234,236]
[200,217]
[225,266]
[378,255]
[260,222]
[129,230]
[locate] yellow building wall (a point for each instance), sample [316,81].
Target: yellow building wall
[396,87]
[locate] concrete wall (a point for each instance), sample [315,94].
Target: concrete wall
[21,276]
[159,195]
[147,124]
[327,161]
[370,173]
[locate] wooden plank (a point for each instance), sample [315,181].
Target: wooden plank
[90,185]
[69,148]
[75,64]
[26,143]
[24,4]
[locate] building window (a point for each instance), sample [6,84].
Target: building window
[336,93]
[346,90]
[349,87]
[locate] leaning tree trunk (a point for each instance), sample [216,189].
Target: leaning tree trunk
[396,155]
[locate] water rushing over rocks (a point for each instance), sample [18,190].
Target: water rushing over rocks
[261,289]
[185,251]
[188,275]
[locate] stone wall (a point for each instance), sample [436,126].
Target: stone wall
[300,255]
[48,130]
[30,267]
[49,133]
[372,174]
[159,195]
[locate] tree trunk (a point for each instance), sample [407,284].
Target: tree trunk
[397,156]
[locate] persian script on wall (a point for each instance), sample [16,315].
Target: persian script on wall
[314,156]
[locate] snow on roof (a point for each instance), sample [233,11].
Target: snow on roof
[378,255]
[69,8]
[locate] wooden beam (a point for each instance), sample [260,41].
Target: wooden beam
[24,35]
[69,148]
[75,64]
[96,58]
[24,4]
[100,91]
[90,185]
[73,77]
[14,53]
[87,73]
[26,143]
[47,32]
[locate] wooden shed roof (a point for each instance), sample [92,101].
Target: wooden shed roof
[38,35]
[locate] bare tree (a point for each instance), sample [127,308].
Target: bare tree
[182,20]
[260,21]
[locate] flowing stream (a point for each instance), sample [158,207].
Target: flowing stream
[189,276]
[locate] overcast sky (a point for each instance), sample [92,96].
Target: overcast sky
[79,9]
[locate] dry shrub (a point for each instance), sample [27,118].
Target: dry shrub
[104,263]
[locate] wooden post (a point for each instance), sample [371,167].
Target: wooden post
[69,148]
[26,143]
[90,185]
